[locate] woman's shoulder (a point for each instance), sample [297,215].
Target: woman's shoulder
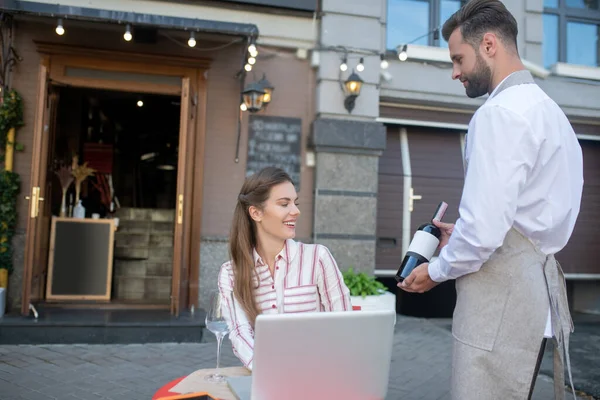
[312,248]
[226,268]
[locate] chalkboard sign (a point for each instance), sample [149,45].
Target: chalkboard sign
[80,259]
[275,141]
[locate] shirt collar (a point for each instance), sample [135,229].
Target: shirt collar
[288,253]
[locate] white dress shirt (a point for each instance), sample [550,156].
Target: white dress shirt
[524,170]
[306,279]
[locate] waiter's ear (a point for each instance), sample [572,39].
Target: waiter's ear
[489,44]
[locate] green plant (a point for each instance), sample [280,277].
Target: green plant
[9,189]
[11,116]
[361,284]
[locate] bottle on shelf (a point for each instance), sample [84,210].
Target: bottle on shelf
[423,245]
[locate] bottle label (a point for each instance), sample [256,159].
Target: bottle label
[424,243]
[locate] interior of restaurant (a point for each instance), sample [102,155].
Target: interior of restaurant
[119,150]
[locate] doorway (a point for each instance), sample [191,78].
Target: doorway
[139,120]
[130,140]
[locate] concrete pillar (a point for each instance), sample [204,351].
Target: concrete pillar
[348,145]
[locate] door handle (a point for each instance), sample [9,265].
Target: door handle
[180,210]
[412,198]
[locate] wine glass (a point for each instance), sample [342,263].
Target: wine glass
[215,322]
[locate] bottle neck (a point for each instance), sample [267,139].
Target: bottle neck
[440,211]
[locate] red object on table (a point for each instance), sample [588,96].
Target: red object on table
[356,308]
[165,390]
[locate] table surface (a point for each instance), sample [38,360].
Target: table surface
[195,382]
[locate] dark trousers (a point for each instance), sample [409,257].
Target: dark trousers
[537,367]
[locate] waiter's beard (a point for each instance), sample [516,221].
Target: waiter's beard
[479,80]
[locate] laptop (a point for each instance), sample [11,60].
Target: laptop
[323,355]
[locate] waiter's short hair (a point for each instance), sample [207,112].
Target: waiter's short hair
[477,17]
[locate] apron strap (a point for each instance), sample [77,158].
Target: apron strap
[562,325]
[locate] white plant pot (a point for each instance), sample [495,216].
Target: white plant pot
[385,301]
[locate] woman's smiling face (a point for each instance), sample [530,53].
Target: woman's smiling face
[278,216]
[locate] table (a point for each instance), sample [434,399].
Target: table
[195,382]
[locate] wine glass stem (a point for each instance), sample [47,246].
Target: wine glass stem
[219,340]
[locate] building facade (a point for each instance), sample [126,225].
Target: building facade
[370,167]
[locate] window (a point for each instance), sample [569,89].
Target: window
[410,21]
[571,32]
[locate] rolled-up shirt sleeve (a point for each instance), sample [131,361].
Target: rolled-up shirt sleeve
[501,151]
[241,332]
[335,295]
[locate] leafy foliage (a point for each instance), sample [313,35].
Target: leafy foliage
[11,116]
[9,190]
[361,284]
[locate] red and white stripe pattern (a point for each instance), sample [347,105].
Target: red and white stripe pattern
[305,278]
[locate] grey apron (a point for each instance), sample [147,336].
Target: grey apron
[501,313]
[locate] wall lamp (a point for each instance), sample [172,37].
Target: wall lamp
[257,96]
[351,89]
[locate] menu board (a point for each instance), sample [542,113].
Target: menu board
[275,141]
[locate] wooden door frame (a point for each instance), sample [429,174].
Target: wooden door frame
[56,57]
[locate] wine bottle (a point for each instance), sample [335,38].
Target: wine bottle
[423,245]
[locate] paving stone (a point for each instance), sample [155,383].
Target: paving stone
[420,369]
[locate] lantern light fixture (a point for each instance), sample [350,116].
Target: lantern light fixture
[352,87]
[253,96]
[268,88]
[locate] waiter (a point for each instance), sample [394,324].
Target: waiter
[521,197]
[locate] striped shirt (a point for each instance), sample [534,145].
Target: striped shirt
[305,278]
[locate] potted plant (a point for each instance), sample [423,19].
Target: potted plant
[367,292]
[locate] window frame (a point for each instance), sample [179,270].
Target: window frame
[435,8]
[569,14]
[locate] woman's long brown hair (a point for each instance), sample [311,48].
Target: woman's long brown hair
[242,240]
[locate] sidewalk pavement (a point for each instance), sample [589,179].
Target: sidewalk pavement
[420,367]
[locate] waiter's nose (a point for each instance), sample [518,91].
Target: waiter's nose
[455,73]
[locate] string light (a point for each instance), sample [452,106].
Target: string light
[360,67]
[59,28]
[127,35]
[192,40]
[243,107]
[251,60]
[403,55]
[248,67]
[384,63]
[344,65]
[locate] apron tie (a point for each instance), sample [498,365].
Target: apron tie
[562,324]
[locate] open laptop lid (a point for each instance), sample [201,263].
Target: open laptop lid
[329,355]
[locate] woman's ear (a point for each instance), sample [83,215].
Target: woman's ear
[255,213]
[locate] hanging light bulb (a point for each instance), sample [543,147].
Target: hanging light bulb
[360,67]
[248,67]
[403,55]
[192,40]
[252,49]
[243,107]
[344,65]
[252,61]
[140,103]
[59,27]
[127,35]
[384,63]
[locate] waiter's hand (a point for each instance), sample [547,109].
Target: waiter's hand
[446,230]
[418,281]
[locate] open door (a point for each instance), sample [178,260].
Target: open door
[38,215]
[180,277]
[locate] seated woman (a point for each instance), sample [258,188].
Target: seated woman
[269,272]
